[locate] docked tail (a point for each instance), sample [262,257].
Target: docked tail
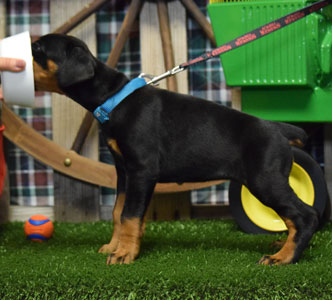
[295,135]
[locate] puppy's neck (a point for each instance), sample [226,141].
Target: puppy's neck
[94,92]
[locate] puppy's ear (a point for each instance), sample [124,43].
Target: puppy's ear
[78,66]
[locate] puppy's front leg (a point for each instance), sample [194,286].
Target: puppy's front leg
[117,211]
[139,190]
[113,244]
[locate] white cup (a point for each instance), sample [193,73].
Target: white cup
[18,87]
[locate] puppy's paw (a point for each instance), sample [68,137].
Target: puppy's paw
[272,260]
[106,249]
[128,243]
[266,260]
[109,248]
[121,256]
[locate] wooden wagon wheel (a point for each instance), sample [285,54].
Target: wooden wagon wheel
[70,162]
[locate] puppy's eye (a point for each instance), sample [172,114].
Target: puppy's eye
[36,47]
[39,55]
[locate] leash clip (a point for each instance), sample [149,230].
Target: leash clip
[176,70]
[148,76]
[155,79]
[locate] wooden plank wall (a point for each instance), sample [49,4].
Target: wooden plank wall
[167,206]
[152,58]
[2,19]
[74,200]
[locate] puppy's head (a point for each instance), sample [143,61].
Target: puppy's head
[60,62]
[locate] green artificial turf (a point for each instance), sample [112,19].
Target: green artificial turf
[179,260]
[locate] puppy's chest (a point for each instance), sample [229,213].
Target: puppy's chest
[113,145]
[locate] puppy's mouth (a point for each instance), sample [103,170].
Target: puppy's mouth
[45,79]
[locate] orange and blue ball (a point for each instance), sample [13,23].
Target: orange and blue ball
[38,228]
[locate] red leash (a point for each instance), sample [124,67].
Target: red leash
[245,38]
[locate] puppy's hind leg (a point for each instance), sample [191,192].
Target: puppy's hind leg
[301,221]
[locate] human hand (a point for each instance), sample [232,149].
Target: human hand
[11,64]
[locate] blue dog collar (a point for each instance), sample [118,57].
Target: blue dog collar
[102,112]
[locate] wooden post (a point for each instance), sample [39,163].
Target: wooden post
[131,15]
[2,19]
[236,98]
[175,205]
[80,16]
[112,61]
[152,57]
[198,16]
[166,41]
[75,201]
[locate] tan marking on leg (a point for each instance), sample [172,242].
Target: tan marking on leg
[45,78]
[129,242]
[286,253]
[143,227]
[114,145]
[296,142]
[113,244]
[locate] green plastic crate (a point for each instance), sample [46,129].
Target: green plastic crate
[285,76]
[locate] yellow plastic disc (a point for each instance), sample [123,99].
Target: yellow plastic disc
[265,217]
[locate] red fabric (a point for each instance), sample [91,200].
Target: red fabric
[2,161]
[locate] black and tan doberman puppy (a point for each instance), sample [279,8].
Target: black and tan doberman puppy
[160,136]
